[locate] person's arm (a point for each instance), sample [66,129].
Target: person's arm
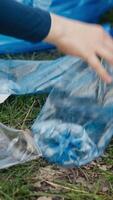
[70,36]
[23,22]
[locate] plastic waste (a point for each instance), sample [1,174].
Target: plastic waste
[28,77]
[16,147]
[76,123]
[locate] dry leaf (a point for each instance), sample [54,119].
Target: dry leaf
[103,167]
[44,198]
[105,189]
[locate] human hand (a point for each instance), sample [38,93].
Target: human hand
[84,40]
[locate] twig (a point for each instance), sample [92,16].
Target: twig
[27,114]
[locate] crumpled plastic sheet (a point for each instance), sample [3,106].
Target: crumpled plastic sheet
[16,147]
[27,77]
[84,10]
[76,123]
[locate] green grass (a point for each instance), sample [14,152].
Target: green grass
[38,178]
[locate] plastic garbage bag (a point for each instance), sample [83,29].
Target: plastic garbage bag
[75,124]
[24,77]
[28,77]
[85,10]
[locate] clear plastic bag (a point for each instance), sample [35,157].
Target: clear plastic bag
[76,123]
[26,77]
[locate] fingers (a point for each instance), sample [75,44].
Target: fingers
[106,53]
[105,48]
[96,65]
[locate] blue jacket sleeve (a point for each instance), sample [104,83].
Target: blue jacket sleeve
[23,22]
